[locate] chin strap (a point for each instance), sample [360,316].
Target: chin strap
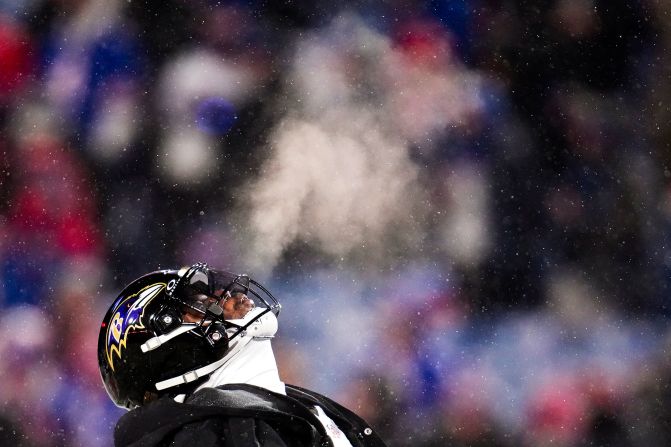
[190,376]
[155,342]
[203,371]
[248,331]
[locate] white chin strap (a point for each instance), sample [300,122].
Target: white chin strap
[263,328]
[191,375]
[155,342]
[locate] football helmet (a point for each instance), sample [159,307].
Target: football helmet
[168,330]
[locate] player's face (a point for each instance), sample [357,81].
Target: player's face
[235,306]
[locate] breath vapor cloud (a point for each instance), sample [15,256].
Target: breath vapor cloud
[340,175]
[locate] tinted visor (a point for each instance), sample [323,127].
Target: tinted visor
[214,282]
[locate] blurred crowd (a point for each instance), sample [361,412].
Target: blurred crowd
[464,206]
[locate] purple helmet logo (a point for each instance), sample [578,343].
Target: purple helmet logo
[126,316]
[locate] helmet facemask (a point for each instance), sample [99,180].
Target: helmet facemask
[213,296]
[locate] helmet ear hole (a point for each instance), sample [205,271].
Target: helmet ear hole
[166,320]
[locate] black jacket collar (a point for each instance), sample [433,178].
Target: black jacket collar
[156,421]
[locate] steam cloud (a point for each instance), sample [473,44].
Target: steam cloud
[340,176]
[338,181]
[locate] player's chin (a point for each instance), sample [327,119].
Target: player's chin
[242,307]
[246,304]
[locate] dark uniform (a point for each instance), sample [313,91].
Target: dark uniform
[240,415]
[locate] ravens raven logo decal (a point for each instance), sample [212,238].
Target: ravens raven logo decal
[126,316]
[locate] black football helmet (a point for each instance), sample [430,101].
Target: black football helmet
[147,349]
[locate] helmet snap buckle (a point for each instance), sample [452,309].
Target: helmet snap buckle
[215,336]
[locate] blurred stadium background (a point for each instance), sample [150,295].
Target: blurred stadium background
[463,205]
